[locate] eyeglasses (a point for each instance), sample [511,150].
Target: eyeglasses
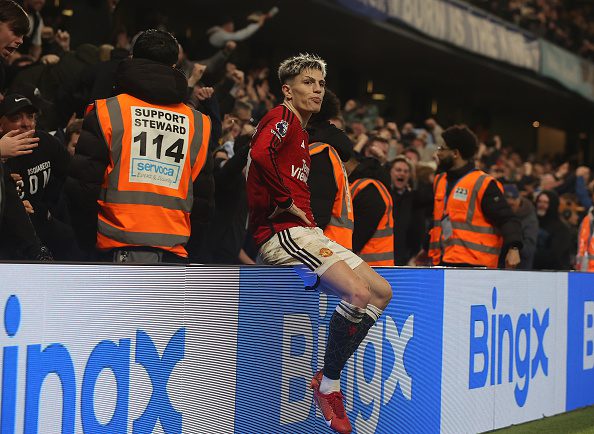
[443,148]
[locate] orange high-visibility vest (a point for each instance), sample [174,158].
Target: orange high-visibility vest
[340,227]
[585,254]
[474,240]
[379,250]
[156,152]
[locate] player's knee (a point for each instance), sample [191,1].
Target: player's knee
[360,293]
[385,292]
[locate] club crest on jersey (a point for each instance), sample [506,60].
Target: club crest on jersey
[325,253]
[281,129]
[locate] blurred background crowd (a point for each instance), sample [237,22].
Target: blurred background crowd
[71,55]
[566,23]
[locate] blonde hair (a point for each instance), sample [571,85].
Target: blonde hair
[293,66]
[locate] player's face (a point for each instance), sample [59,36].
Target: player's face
[9,42]
[306,91]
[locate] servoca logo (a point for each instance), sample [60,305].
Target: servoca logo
[363,377]
[107,354]
[497,337]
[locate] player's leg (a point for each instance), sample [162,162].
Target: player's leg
[380,296]
[340,280]
[379,288]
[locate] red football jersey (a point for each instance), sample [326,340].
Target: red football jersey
[277,173]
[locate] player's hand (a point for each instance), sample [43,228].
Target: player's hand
[512,259]
[13,143]
[293,209]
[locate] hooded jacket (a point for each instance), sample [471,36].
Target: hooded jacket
[149,81]
[322,185]
[369,207]
[529,221]
[553,245]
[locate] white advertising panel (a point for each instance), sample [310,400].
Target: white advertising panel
[89,348]
[504,348]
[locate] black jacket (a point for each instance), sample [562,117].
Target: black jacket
[149,81]
[321,184]
[368,206]
[495,208]
[553,244]
[18,239]
[227,231]
[409,221]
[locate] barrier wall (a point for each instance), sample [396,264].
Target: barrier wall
[169,349]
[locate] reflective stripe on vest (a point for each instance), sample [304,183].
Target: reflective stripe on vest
[136,211]
[474,240]
[435,232]
[585,253]
[379,250]
[340,227]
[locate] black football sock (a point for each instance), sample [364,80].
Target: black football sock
[371,316]
[343,327]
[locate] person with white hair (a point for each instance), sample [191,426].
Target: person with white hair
[284,229]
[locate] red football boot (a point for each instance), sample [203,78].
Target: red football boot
[331,407]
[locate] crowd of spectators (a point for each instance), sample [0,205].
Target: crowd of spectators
[569,24]
[60,81]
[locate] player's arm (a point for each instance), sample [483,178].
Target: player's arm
[264,156]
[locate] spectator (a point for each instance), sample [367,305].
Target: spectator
[127,193]
[412,155]
[553,246]
[219,35]
[373,234]
[435,130]
[214,64]
[525,211]
[227,231]
[409,223]
[19,240]
[377,148]
[329,147]
[32,42]
[39,176]
[469,206]
[585,253]
[583,176]
[72,135]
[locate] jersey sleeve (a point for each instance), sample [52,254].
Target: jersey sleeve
[272,135]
